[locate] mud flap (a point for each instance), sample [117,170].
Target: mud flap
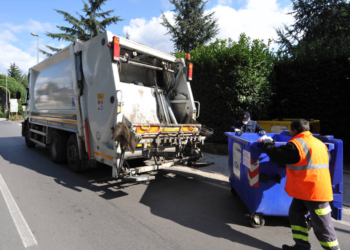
[124,135]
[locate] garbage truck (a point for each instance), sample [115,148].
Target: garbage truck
[109,100]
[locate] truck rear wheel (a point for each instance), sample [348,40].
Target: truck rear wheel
[58,147]
[29,143]
[74,162]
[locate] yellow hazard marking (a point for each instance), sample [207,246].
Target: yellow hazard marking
[145,129]
[323,211]
[100,96]
[54,119]
[169,129]
[104,156]
[142,130]
[140,145]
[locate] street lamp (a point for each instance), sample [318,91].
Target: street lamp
[6,92]
[37,36]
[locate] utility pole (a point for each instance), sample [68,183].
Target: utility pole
[6,94]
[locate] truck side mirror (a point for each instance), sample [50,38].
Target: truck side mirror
[18,95]
[27,97]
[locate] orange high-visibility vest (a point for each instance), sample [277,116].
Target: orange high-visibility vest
[309,179]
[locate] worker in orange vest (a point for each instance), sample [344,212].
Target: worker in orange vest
[309,183]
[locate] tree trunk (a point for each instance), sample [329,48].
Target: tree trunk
[2,101]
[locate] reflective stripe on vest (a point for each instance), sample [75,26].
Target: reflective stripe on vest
[309,164]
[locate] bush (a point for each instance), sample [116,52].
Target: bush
[228,78]
[314,87]
[13,86]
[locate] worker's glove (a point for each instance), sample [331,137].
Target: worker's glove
[239,132]
[262,132]
[267,141]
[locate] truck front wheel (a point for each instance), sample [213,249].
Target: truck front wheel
[58,147]
[74,162]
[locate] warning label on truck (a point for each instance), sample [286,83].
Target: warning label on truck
[100,101]
[237,159]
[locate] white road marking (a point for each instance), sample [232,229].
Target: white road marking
[342,222]
[21,224]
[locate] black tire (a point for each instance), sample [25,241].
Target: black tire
[255,225]
[233,192]
[28,142]
[74,162]
[58,147]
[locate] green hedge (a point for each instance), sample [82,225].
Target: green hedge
[314,87]
[229,77]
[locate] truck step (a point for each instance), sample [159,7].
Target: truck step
[38,142]
[37,132]
[138,178]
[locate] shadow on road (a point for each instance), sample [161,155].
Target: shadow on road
[99,180]
[203,208]
[185,201]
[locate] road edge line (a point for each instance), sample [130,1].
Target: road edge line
[23,229]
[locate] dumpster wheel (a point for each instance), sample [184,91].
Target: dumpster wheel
[257,221]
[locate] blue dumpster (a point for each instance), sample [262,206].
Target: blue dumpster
[260,183]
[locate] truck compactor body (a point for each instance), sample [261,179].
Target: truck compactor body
[109,100]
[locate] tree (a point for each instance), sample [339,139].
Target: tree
[321,26]
[191,26]
[85,26]
[14,72]
[13,86]
[230,77]
[24,80]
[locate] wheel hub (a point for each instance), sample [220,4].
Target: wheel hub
[72,154]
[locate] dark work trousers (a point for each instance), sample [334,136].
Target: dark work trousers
[321,222]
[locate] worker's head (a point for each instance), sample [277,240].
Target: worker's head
[298,126]
[245,117]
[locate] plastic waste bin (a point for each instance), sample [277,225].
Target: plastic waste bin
[260,183]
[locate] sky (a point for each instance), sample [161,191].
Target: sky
[141,20]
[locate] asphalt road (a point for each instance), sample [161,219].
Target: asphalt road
[45,206]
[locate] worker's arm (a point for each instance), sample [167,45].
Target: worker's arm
[236,125]
[285,154]
[258,128]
